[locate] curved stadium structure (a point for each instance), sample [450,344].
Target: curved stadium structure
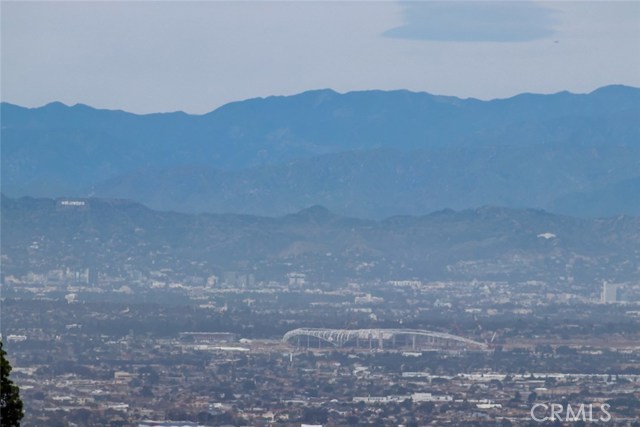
[415,339]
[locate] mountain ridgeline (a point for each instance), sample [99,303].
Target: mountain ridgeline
[118,236]
[369,154]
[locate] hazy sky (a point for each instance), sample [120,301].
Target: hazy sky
[195,56]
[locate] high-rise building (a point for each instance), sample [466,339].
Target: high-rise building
[609,293]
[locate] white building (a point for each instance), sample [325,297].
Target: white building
[609,293]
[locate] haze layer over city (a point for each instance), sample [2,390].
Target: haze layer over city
[320,213]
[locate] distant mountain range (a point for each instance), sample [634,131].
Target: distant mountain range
[488,242]
[369,154]
[491,243]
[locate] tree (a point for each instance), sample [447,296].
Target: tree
[10,404]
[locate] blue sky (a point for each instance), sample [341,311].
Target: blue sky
[195,56]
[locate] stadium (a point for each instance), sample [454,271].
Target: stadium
[410,339]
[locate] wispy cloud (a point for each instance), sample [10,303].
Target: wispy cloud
[474,21]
